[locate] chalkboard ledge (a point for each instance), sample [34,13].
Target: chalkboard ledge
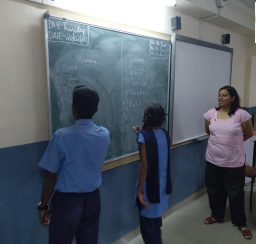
[199,139]
[111,164]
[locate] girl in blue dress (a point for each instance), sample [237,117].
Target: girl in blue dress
[154,182]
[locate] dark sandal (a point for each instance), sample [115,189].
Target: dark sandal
[247,234]
[211,220]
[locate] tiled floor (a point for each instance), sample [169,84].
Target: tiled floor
[185,225]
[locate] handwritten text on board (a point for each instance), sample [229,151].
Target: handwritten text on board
[61,31]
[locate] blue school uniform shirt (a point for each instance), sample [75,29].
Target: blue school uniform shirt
[156,210]
[77,153]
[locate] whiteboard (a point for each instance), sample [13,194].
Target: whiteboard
[199,69]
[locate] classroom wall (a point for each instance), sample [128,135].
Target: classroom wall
[240,80]
[23,72]
[23,87]
[252,87]
[24,123]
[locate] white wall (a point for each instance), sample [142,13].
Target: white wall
[23,81]
[23,96]
[252,91]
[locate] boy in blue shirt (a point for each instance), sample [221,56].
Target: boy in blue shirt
[154,181]
[73,164]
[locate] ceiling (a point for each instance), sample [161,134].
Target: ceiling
[190,9]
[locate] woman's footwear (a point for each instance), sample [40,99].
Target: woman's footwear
[247,234]
[211,220]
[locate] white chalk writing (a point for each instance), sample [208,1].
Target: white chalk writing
[65,31]
[159,48]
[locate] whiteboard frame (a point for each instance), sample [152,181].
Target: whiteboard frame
[47,71]
[190,40]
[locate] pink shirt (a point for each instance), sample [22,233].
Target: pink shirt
[225,145]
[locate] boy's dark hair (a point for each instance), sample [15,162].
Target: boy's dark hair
[85,102]
[154,116]
[236,103]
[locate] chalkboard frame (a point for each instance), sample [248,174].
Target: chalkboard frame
[127,155]
[194,41]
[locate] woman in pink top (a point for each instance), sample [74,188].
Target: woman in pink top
[228,126]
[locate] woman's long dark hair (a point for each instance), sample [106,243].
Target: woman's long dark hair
[154,116]
[236,103]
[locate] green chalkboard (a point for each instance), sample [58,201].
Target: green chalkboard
[128,72]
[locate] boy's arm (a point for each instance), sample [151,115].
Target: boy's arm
[47,191]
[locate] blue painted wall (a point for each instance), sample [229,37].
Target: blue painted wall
[21,181]
[20,185]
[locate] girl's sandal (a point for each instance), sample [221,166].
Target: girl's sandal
[211,220]
[247,234]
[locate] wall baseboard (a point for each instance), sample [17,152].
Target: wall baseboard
[134,233]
